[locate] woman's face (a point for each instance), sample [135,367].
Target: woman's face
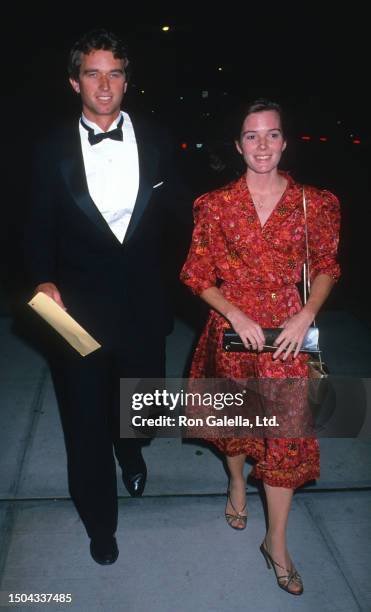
[261,142]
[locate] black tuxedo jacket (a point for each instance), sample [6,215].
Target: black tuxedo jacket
[116,291]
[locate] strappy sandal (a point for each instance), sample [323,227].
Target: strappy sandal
[283,581]
[238,516]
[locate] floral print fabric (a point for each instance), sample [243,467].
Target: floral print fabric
[257,268]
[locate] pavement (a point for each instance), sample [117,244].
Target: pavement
[176,550]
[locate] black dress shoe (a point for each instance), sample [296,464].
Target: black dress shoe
[104,551]
[135,478]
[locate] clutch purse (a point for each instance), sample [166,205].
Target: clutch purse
[233,343]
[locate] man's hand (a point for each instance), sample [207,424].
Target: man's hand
[51,290]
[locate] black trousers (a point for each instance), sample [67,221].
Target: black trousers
[88,393]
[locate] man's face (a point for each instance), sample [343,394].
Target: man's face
[101,84]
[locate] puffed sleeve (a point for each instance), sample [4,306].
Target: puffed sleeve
[323,217]
[199,270]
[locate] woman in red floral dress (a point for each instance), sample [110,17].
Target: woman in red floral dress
[246,257]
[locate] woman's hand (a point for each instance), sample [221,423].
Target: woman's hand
[292,336]
[250,332]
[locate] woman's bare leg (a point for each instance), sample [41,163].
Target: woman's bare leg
[279,503]
[237,489]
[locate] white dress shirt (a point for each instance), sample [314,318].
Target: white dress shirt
[112,173]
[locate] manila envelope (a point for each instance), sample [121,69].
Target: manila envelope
[64,324]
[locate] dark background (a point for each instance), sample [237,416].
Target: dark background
[315,64]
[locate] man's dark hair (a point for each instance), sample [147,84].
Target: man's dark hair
[94,41]
[258,106]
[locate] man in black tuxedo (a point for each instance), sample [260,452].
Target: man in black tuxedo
[93,244]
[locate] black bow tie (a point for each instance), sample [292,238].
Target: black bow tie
[115,134]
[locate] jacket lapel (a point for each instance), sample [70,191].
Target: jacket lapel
[148,167]
[73,171]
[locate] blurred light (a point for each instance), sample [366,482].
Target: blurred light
[199,146]
[306,137]
[181,98]
[165,28]
[356,141]
[204,94]
[142,91]
[323,138]
[184,145]
[220,69]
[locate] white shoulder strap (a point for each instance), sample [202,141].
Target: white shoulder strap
[306,270]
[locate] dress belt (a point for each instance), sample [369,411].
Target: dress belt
[258,288]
